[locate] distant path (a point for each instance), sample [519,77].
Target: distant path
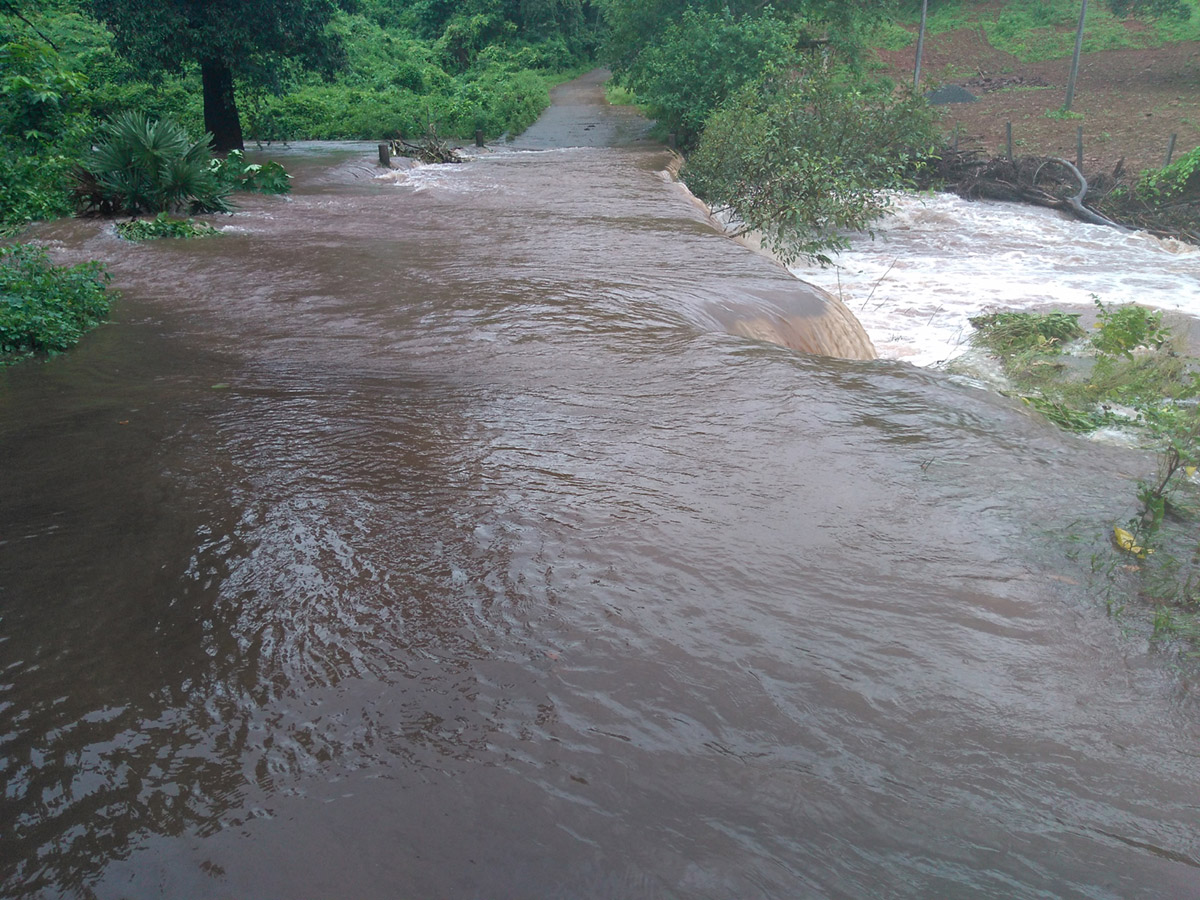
[579,116]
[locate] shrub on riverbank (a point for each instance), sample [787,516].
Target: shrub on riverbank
[146,165]
[46,308]
[806,155]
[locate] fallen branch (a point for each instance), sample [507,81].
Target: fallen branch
[430,149]
[1077,201]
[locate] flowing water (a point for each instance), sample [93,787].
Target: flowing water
[442,537]
[937,260]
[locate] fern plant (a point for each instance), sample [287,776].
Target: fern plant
[146,165]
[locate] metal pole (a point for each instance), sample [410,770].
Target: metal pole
[1170,150]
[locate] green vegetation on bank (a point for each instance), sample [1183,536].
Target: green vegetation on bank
[1134,374]
[385,67]
[46,308]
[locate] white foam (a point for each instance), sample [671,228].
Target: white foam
[937,260]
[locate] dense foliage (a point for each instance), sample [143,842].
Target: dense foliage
[683,58]
[807,154]
[42,131]
[701,59]
[46,308]
[229,39]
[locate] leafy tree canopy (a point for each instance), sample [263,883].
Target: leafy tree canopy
[805,154]
[246,38]
[633,25]
[243,33]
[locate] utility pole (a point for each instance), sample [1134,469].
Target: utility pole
[1075,59]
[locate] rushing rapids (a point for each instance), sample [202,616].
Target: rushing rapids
[443,537]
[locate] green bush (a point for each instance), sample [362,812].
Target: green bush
[32,187]
[258,178]
[163,226]
[46,308]
[1180,179]
[144,165]
[1122,329]
[1011,333]
[804,156]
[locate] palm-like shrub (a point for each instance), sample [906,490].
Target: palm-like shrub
[145,165]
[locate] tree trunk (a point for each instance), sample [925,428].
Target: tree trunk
[220,107]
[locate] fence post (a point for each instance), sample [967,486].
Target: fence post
[1008,140]
[478,137]
[1170,150]
[385,156]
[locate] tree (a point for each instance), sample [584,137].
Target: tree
[634,25]
[807,153]
[230,39]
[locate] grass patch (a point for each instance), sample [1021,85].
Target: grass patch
[1009,333]
[888,35]
[617,95]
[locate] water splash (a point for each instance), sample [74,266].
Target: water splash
[937,260]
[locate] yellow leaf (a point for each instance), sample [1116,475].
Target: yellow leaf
[1126,541]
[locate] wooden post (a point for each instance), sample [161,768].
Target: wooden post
[1075,59]
[1079,148]
[1008,140]
[920,47]
[385,156]
[1170,150]
[478,137]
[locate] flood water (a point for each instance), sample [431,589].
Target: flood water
[441,538]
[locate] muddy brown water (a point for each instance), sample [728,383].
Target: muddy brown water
[437,539]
